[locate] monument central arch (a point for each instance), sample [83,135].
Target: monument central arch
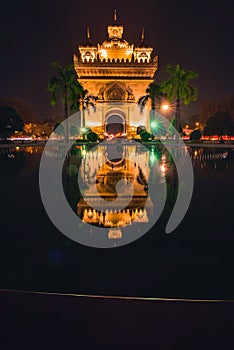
[115,123]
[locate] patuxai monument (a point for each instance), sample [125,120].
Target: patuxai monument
[117,73]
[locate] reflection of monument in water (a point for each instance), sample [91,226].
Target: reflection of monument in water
[118,73]
[101,181]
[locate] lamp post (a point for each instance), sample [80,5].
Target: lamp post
[156,125]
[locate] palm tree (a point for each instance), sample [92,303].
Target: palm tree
[177,87]
[85,101]
[65,84]
[154,94]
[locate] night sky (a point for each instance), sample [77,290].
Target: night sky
[197,35]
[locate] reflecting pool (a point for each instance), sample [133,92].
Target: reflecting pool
[193,261]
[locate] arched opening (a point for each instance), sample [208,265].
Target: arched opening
[115,126]
[115,155]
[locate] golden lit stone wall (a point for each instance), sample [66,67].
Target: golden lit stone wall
[132,89]
[132,115]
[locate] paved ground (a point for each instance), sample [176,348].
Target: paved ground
[38,321]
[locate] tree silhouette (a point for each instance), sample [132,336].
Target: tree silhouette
[221,123]
[66,85]
[178,87]
[10,122]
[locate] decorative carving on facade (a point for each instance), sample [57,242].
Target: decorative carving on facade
[115,93]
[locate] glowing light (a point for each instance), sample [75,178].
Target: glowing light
[83,130]
[154,124]
[165,107]
[11,156]
[153,157]
[157,127]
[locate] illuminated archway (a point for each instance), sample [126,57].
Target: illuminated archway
[115,124]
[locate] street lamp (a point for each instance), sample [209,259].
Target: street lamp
[165,106]
[156,124]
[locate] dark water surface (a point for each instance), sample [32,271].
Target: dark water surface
[194,261]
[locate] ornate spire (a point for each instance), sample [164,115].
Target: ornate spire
[143,34]
[88,41]
[142,42]
[88,34]
[115,15]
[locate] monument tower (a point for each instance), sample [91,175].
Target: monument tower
[118,73]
